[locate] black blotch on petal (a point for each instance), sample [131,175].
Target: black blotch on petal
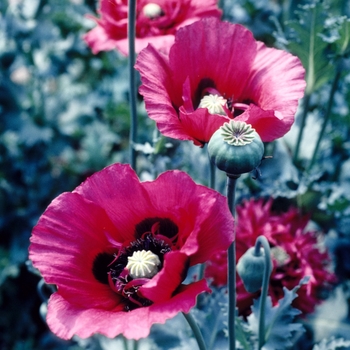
[167,227]
[100,267]
[203,84]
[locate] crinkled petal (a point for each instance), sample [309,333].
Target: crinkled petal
[98,40]
[269,124]
[64,244]
[158,90]
[276,84]
[200,125]
[118,190]
[66,320]
[213,50]
[202,215]
[161,287]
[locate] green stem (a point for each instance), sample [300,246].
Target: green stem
[231,280]
[196,331]
[262,241]
[302,126]
[214,332]
[125,343]
[212,180]
[136,345]
[132,83]
[212,172]
[326,118]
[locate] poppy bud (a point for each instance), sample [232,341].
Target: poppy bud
[236,148]
[250,268]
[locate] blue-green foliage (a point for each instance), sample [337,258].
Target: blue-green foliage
[64,114]
[279,320]
[306,41]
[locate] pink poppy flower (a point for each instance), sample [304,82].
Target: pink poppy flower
[214,72]
[295,250]
[156,23]
[118,250]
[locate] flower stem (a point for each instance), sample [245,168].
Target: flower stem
[136,345]
[262,241]
[212,183]
[231,192]
[196,331]
[326,117]
[132,84]
[125,343]
[212,172]
[302,126]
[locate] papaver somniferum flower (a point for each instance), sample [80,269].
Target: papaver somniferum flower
[295,250]
[118,250]
[216,71]
[156,22]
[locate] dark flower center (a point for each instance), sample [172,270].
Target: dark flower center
[135,264]
[207,96]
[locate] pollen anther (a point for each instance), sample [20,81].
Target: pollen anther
[143,264]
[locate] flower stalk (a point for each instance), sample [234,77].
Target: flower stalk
[196,331]
[326,117]
[212,175]
[262,241]
[231,193]
[302,126]
[132,83]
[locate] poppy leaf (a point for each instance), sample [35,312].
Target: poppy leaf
[343,42]
[278,319]
[306,40]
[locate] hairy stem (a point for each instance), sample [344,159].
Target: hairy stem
[302,126]
[262,241]
[326,118]
[231,192]
[196,331]
[212,174]
[212,181]
[125,343]
[132,83]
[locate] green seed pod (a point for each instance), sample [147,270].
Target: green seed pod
[250,268]
[236,148]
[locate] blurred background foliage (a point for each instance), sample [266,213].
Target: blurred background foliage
[64,114]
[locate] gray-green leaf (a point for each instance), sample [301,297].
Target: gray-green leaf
[306,40]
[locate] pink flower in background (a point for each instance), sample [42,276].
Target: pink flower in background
[217,71]
[118,250]
[156,22]
[295,253]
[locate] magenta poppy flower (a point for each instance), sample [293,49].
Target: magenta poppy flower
[118,250]
[156,22]
[296,253]
[217,71]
